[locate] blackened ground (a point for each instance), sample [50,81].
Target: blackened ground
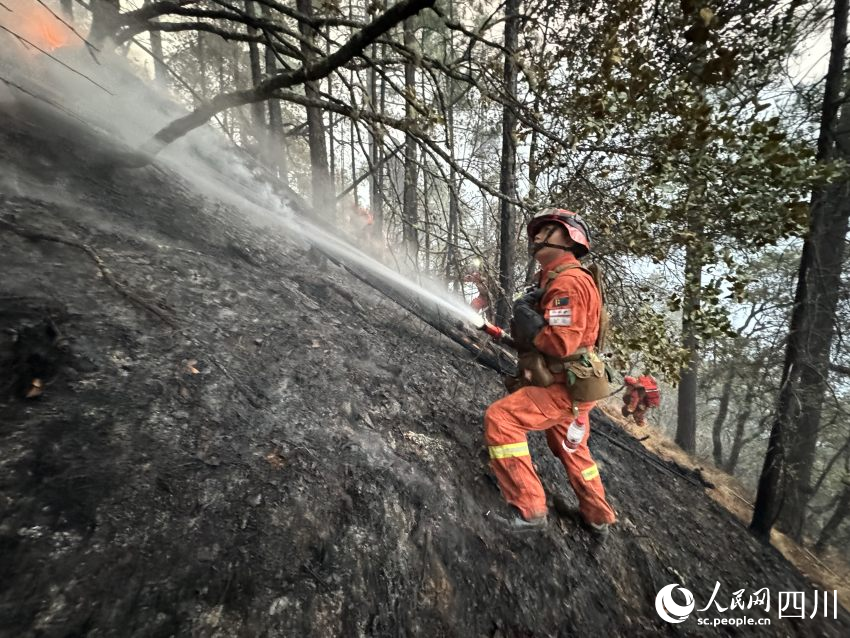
[230,441]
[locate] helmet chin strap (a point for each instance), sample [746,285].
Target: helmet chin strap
[534,247]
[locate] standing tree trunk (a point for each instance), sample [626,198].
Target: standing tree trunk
[104,20]
[452,257]
[426,210]
[452,265]
[351,137]
[410,214]
[331,122]
[351,126]
[160,73]
[686,426]
[842,511]
[829,219]
[225,119]
[507,174]
[376,154]
[720,419]
[278,147]
[740,422]
[378,212]
[793,437]
[323,195]
[200,52]
[533,191]
[257,116]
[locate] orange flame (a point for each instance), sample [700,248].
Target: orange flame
[37,25]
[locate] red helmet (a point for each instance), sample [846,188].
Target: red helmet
[574,225]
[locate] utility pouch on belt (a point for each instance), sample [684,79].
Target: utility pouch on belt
[587,378]
[533,366]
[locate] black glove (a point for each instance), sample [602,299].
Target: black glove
[527,322]
[532,297]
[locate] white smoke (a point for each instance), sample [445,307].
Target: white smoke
[106,92]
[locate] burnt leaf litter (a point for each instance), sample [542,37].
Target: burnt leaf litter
[223,438]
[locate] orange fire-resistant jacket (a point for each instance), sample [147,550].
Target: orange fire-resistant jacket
[571,306]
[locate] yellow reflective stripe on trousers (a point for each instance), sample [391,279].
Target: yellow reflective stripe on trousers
[509,450]
[590,473]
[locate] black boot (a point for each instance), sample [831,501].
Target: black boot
[566,510]
[516,524]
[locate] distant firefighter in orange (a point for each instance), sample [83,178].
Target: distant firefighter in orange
[481,303]
[362,216]
[641,394]
[361,223]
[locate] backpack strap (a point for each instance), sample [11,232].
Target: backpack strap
[553,274]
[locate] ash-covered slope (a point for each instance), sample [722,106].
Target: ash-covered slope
[231,442]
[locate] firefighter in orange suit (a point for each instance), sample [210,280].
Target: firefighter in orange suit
[481,303]
[641,394]
[559,318]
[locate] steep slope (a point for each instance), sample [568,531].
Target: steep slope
[230,441]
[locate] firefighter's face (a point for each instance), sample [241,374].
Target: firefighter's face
[554,234]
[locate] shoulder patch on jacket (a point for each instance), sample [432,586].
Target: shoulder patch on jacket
[561,317]
[561,301]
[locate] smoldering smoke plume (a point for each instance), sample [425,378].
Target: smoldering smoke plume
[45,64]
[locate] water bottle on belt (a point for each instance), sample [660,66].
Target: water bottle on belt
[575,435]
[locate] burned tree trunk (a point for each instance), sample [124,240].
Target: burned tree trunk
[410,214]
[200,51]
[160,72]
[839,515]
[277,150]
[507,175]
[452,265]
[376,150]
[259,120]
[533,191]
[351,137]
[105,19]
[785,479]
[452,270]
[323,197]
[686,426]
[720,419]
[738,440]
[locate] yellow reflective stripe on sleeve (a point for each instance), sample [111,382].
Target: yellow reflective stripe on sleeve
[590,473]
[509,450]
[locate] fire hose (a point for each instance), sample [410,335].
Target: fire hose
[498,334]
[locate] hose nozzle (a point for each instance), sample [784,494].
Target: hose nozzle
[493,330]
[498,334]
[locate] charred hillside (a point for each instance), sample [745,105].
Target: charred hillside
[227,440]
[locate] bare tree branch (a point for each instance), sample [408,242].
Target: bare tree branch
[305,73]
[835,367]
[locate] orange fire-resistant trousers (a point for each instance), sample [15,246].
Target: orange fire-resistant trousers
[634,404]
[506,423]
